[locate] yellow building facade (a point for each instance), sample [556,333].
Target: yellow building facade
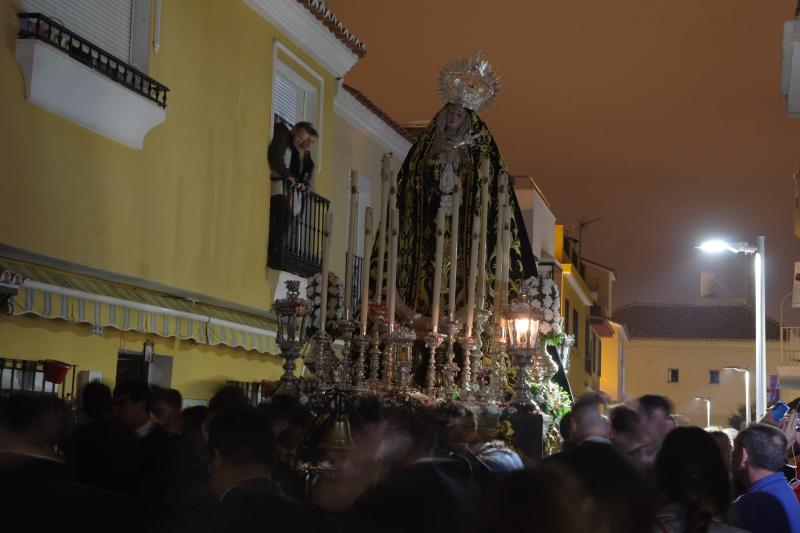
[682,350]
[174,220]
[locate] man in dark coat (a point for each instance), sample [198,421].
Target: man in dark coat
[291,169]
[242,450]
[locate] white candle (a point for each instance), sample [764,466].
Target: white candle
[394,225]
[498,244]
[382,225]
[485,169]
[437,270]
[351,247]
[365,270]
[454,253]
[506,252]
[473,273]
[326,261]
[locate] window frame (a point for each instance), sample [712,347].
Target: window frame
[318,110]
[712,374]
[673,372]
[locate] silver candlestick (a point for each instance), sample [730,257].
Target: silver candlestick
[402,340]
[324,364]
[467,345]
[482,317]
[291,313]
[432,342]
[450,367]
[347,327]
[362,343]
[379,328]
[497,369]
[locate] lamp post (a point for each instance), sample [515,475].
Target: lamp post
[708,408]
[291,313]
[746,372]
[523,321]
[717,246]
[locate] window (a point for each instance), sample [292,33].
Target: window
[121,27]
[296,99]
[566,315]
[588,352]
[598,352]
[713,377]
[672,375]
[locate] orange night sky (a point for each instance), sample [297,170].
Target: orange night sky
[664,117]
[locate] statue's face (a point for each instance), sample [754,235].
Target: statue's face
[455,117]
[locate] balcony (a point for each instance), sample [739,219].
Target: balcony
[35,377]
[70,76]
[296,232]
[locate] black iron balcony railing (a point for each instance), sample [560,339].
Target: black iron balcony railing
[299,230]
[33,377]
[45,29]
[358,264]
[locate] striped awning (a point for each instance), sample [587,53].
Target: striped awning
[55,294]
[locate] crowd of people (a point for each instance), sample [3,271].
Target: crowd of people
[134,460]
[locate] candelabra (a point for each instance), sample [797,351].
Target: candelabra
[468,345]
[450,368]
[359,374]
[402,340]
[432,342]
[482,317]
[291,313]
[523,321]
[379,329]
[543,367]
[324,362]
[495,389]
[347,326]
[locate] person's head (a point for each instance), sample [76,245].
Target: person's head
[191,429]
[301,133]
[758,451]
[551,494]
[724,444]
[588,420]
[132,403]
[96,399]
[287,417]
[566,428]
[656,422]
[690,471]
[625,421]
[240,446]
[39,424]
[228,397]
[166,407]
[459,425]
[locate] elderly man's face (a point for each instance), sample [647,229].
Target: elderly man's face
[309,143]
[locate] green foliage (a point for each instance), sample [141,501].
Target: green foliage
[552,399]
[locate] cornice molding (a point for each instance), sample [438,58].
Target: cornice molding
[360,116]
[307,33]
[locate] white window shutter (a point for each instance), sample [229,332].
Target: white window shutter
[105,23]
[288,100]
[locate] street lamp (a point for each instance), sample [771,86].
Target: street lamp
[708,408]
[717,246]
[747,417]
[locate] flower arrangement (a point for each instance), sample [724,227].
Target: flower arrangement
[552,399]
[335,303]
[544,295]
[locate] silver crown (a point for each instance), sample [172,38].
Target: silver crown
[470,82]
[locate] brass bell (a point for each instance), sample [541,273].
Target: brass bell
[337,436]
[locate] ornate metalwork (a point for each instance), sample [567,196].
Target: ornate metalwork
[482,316]
[468,345]
[47,30]
[450,368]
[362,342]
[432,343]
[402,339]
[347,327]
[291,313]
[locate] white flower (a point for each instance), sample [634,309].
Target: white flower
[548,315]
[317,301]
[533,290]
[547,302]
[536,303]
[545,328]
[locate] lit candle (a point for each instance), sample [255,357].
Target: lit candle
[454,252]
[437,270]
[485,169]
[351,247]
[394,225]
[473,273]
[382,225]
[365,270]
[326,261]
[498,244]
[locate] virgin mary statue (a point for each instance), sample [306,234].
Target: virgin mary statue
[447,154]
